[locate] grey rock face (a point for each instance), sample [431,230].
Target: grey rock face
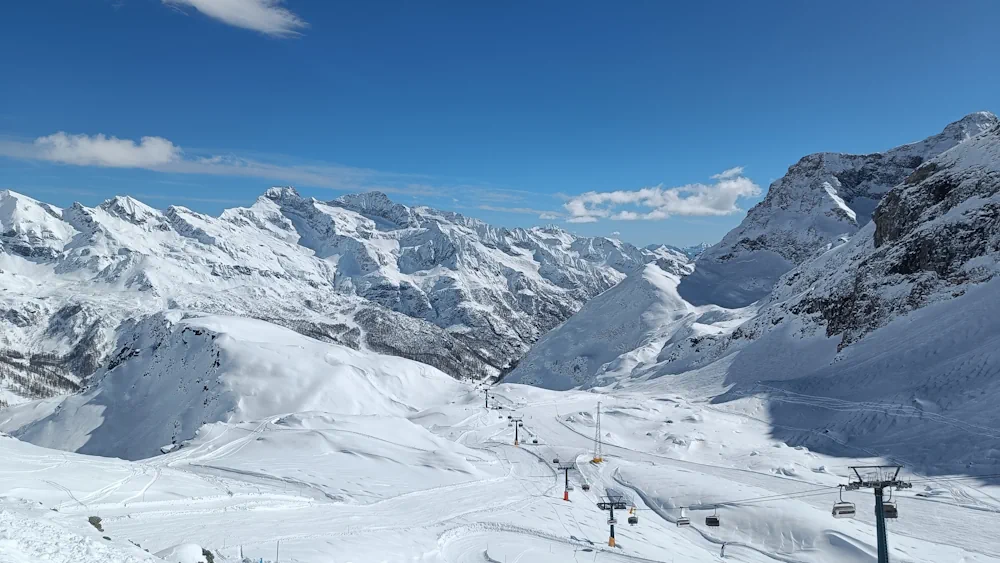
[823,199]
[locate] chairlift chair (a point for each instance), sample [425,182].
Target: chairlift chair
[683,520]
[633,520]
[843,509]
[713,520]
[534,440]
[555,460]
[585,487]
[889,509]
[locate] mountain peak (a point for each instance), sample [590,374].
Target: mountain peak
[282,193]
[377,204]
[967,127]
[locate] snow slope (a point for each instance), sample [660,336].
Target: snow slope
[901,319]
[170,375]
[446,484]
[618,332]
[884,345]
[360,271]
[823,199]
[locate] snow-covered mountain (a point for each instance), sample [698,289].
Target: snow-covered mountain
[172,373]
[361,271]
[619,331]
[886,344]
[823,199]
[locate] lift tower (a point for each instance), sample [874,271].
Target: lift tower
[516,421]
[610,503]
[879,478]
[598,454]
[565,467]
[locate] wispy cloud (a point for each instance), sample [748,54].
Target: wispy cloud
[733,172]
[542,214]
[162,155]
[266,16]
[175,197]
[100,150]
[718,198]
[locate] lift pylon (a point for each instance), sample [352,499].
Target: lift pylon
[565,467]
[516,420]
[598,453]
[879,478]
[610,503]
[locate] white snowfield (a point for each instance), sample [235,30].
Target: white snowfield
[170,375]
[446,484]
[619,331]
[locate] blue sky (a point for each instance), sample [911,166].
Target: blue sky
[661,121]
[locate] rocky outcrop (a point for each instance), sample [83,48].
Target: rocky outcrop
[822,200]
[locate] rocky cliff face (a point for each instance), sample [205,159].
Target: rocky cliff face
[822,200]
[932,238]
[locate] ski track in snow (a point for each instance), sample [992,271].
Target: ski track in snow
[201,493]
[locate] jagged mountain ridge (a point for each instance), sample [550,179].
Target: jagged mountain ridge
[361,270]
[887,344]
[823,199]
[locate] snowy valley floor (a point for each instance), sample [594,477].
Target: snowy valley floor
[448,485]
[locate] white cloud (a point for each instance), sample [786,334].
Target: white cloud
[542,214]
[161,155]
[731,173]
[265,16]
[657,203]
[100,150]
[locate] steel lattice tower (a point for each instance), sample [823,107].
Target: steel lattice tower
[598,454]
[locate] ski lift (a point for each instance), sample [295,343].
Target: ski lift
[889,507]
[683,520]
[633,518]
[555,460]
[569,487]
[534,440]
[843,509]
[585,487]
[713,520]
[520,424]
[889,510]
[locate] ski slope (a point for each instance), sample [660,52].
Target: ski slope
[446,484]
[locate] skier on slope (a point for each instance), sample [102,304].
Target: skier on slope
[722,553]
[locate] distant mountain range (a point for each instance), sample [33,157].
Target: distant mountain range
[360,271]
